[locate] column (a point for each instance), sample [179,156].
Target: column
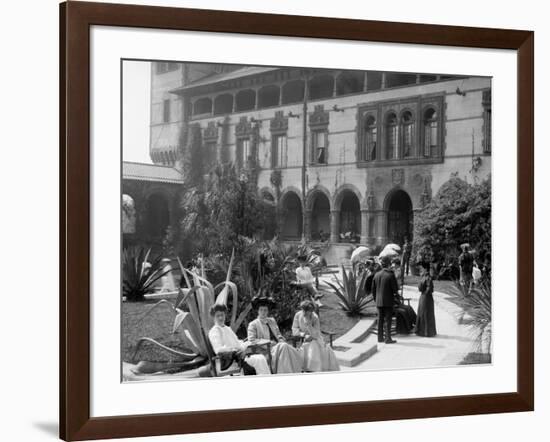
[417,78]
[234,108]
[306,223]
[381,231]
[364,226]
[365,82]
[383,85]
[334,90]
[334,226]
[256,98]
[281,94]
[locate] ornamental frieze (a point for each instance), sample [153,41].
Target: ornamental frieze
[319,117]
[211,131]
[279,123]
[243,127]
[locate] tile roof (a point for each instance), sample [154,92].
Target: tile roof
[150,172]
[218,78]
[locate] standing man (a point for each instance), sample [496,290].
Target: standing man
[466,264]
[385,291]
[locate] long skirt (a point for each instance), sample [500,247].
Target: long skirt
[259,363]
[286,359]
[318,356]
[405,319]
[425,322]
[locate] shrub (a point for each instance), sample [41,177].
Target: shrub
[459,213]
[351,293]
[139,274]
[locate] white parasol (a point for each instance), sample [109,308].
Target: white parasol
[360,253]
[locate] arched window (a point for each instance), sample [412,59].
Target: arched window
[268,96]
[350,82]
[430,133]
[391,137]
[245,100]
[321,86]
[293,91]
[202,106]
[407,124]
[370,139]
[223,104]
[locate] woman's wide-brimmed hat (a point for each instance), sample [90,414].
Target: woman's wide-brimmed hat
[263,300]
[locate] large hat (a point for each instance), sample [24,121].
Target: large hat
[262,300]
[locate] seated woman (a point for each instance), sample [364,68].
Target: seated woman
[405,315]
[224,340]
[284,357]
[304,277]
[318,356]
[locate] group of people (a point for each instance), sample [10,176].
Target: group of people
[382,283]
[313,355]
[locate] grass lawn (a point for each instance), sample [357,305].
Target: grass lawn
[157,325]
[333,318]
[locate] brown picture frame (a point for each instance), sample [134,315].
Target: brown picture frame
[75,21]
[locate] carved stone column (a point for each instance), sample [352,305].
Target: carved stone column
[334,226]
[381,231]
[364,226]
[306,233]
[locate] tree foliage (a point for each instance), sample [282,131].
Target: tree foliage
[225,207]
[459,213]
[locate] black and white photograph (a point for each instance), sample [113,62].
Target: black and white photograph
[296,220]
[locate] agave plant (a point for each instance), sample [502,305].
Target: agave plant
[476,302]
[192,314]
[351,293]
[139,273]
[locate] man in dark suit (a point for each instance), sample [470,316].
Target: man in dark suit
[385,291]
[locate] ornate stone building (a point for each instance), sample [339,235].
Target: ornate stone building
[347,156]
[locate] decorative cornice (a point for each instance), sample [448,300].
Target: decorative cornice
[279,123]
[211,132]
[243,127]
[319,117]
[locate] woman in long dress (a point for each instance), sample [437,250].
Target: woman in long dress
[318,356]
[224,340]
[425,321]
[284,357]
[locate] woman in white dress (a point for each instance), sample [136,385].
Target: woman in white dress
[224,340]
[318,356]
[284,357]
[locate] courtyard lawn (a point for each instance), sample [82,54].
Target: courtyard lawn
[157,325]
[333,318]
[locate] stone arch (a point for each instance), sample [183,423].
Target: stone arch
[291,214]
[157,215]
[318,212]
[313,192]
[399,213]
[348,205]
[339,194]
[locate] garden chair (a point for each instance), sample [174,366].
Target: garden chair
[235,368]
[297,341]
